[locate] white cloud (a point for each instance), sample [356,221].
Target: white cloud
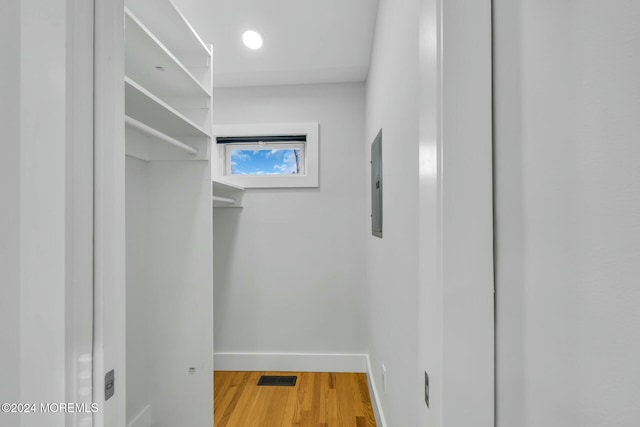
[289,157]
[239,155]
[284,169]
[271,153]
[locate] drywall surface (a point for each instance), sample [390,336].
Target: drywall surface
[438,240]
[169,292]
[304,42]
[429,226]
[43,200]
[10,211]
[392,267]
[568,212]
[140,352]
[467,215]
[40,227]
[289,266]
[181,303]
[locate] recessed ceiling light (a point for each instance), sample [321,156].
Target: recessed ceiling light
[252,39]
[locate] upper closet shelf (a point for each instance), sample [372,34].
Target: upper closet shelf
[157,68]
[147,108]
[169,25]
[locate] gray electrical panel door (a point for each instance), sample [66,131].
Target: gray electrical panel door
[376,186]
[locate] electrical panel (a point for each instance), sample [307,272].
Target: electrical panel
[376,186]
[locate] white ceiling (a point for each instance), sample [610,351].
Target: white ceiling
[305,41]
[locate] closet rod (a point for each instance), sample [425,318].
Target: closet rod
[156,133]
[223,200]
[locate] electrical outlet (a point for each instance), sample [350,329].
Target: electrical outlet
[426,388]
[384,379]
[109,384]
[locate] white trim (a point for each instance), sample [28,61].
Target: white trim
[293,362]
[143,419]
[375,397]
[109,331]
[79,205]
[309,179]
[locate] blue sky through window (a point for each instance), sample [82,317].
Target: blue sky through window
[282,161]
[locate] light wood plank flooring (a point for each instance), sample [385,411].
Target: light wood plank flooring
[318,400]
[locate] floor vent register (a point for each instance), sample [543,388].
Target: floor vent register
[278,380]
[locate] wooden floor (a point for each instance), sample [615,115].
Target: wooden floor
[318,400]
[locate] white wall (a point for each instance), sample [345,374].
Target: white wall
[180,300]
[10,211]
[140,351]
[430,226]
[37,285]
[289,266]
[568,212]
[42,207]
[467,215]
[45,221]
[392,268]
[431,276]
[169,293]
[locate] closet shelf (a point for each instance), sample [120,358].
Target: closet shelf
[164,20]
[227,195]
[148,130]
[155,67]
[147,108]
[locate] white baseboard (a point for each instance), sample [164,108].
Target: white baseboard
[143,419]
[375,397]
[293,362]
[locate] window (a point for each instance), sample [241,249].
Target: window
[267,155]
[265,159]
